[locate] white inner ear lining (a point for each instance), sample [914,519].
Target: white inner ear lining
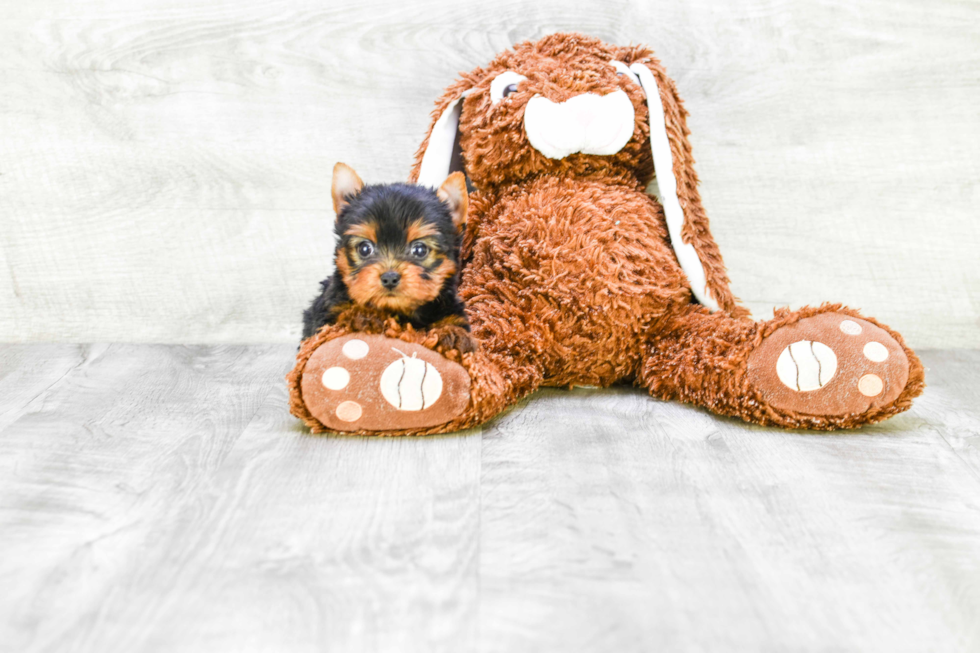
[439,152]
[663,163]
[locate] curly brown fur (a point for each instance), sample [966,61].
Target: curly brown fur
[497,153]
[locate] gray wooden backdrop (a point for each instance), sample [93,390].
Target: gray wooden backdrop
[164,164]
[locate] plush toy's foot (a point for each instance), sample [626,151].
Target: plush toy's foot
[363,382]
[393,380]
[840,369]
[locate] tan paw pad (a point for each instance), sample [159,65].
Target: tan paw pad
[870,385]
[850,327]
[349,411]
[875,352]
[373,383]
[335,378]
[829,365]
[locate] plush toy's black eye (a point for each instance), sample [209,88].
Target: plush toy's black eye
[420,250]
[504,84]
[365,249]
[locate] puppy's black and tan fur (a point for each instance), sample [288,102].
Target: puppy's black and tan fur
[397,253]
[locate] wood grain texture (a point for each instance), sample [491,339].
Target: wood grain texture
[163,499]
[95,468]
[28,371]
[164,166]
[160,498]
[612,522]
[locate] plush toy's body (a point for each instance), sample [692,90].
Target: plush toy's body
[573,275]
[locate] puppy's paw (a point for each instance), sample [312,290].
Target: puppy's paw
[449,338]
[362,319]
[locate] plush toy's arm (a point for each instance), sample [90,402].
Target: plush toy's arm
[681,199]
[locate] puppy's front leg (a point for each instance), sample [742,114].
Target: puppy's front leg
[362,319]
[452,333]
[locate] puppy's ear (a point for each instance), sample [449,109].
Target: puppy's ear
[453,192]
[346,184]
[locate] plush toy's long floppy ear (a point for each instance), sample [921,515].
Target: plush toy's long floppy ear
[440,153]
[687,222]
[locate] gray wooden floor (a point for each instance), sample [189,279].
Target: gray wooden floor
[160,498]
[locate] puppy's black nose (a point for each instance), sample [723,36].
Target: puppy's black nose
[390,279]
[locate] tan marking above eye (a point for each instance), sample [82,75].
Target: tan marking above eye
[420,229]
[364,230]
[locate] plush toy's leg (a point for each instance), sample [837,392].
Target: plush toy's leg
[819,368]
[393,380]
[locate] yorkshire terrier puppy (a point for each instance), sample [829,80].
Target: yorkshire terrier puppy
[397,255]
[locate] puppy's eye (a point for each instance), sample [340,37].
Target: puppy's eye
[420,250]
[365,249]
[505,84]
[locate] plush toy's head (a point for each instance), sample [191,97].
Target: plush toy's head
[570,105]
[567,104]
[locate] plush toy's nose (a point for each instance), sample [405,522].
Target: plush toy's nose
[587,123]
[390,279]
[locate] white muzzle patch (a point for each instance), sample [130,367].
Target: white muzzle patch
[587,123]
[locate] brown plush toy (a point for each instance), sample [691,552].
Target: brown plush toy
[572,275]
